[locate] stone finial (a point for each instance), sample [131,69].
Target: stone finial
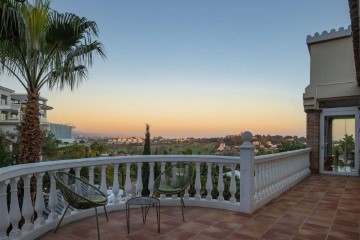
[247,137]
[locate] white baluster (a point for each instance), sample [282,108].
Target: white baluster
[139,184]
[162,180]
[272,176]
[197,182]
[64,202]
[209,185]
[53,200]
[256,182]
[4,219]
[267,178]
[15,214]
[186,193]
[115,188]
[27,207]
[77,172]
[91,175]
[174,171]
[261,181]
[276,175]
[220,186]
[283,173]
[39,202]
[128,187]
[151,178]
[232,184]
[103,186]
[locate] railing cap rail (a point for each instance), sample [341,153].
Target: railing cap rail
[264,158]
[33,168]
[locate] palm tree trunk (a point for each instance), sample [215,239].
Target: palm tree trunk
[30,133]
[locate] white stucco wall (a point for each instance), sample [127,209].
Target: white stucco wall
[332,71]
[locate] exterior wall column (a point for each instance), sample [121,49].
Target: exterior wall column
[313,138]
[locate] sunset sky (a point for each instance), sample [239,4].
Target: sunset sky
[195,67]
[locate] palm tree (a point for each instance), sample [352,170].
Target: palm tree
[41,47]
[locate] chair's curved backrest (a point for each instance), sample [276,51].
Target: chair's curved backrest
[174,179]
[78,193]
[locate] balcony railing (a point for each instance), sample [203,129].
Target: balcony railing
[261,179]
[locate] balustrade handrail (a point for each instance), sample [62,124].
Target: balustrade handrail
[269,157]
[33,168]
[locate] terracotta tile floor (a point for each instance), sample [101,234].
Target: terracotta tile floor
[320,207]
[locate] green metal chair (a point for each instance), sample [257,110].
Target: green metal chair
[80,195]
[175,180]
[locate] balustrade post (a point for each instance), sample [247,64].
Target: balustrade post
[115,188]
[197,182]
[247,174]
[209,185]
[220,186]
[151,178]
[27,206]
[4,219]
[39,202]
[15,214]
[139,184]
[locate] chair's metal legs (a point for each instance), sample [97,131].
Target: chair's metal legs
[97,223]
[182,206]
[106,213]
[62,218]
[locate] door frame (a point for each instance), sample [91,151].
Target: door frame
[337,112]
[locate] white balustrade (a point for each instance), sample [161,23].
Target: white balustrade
[115,188]
[39,202]
[197,182]
[15,214]
[232,184]
[53,201]
[162,180]
[4,219]
[209,185]
[27,207]
[220,186]
[103,186]
[261,179]
[64,202]
[128,187]
[151,178]
[139,184]
[91,175]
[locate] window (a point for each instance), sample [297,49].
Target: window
[3,100]
[14,101]
[2,116]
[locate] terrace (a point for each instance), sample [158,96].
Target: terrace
[258,204]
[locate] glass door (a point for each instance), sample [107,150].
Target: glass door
[339,142]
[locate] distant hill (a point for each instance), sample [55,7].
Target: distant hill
[92,134]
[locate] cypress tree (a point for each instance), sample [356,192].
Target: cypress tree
[145,167]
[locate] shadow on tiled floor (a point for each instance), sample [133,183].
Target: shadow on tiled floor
[320,207]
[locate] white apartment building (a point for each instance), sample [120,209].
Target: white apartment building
[11,114]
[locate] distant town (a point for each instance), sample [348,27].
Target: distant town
[228,145]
